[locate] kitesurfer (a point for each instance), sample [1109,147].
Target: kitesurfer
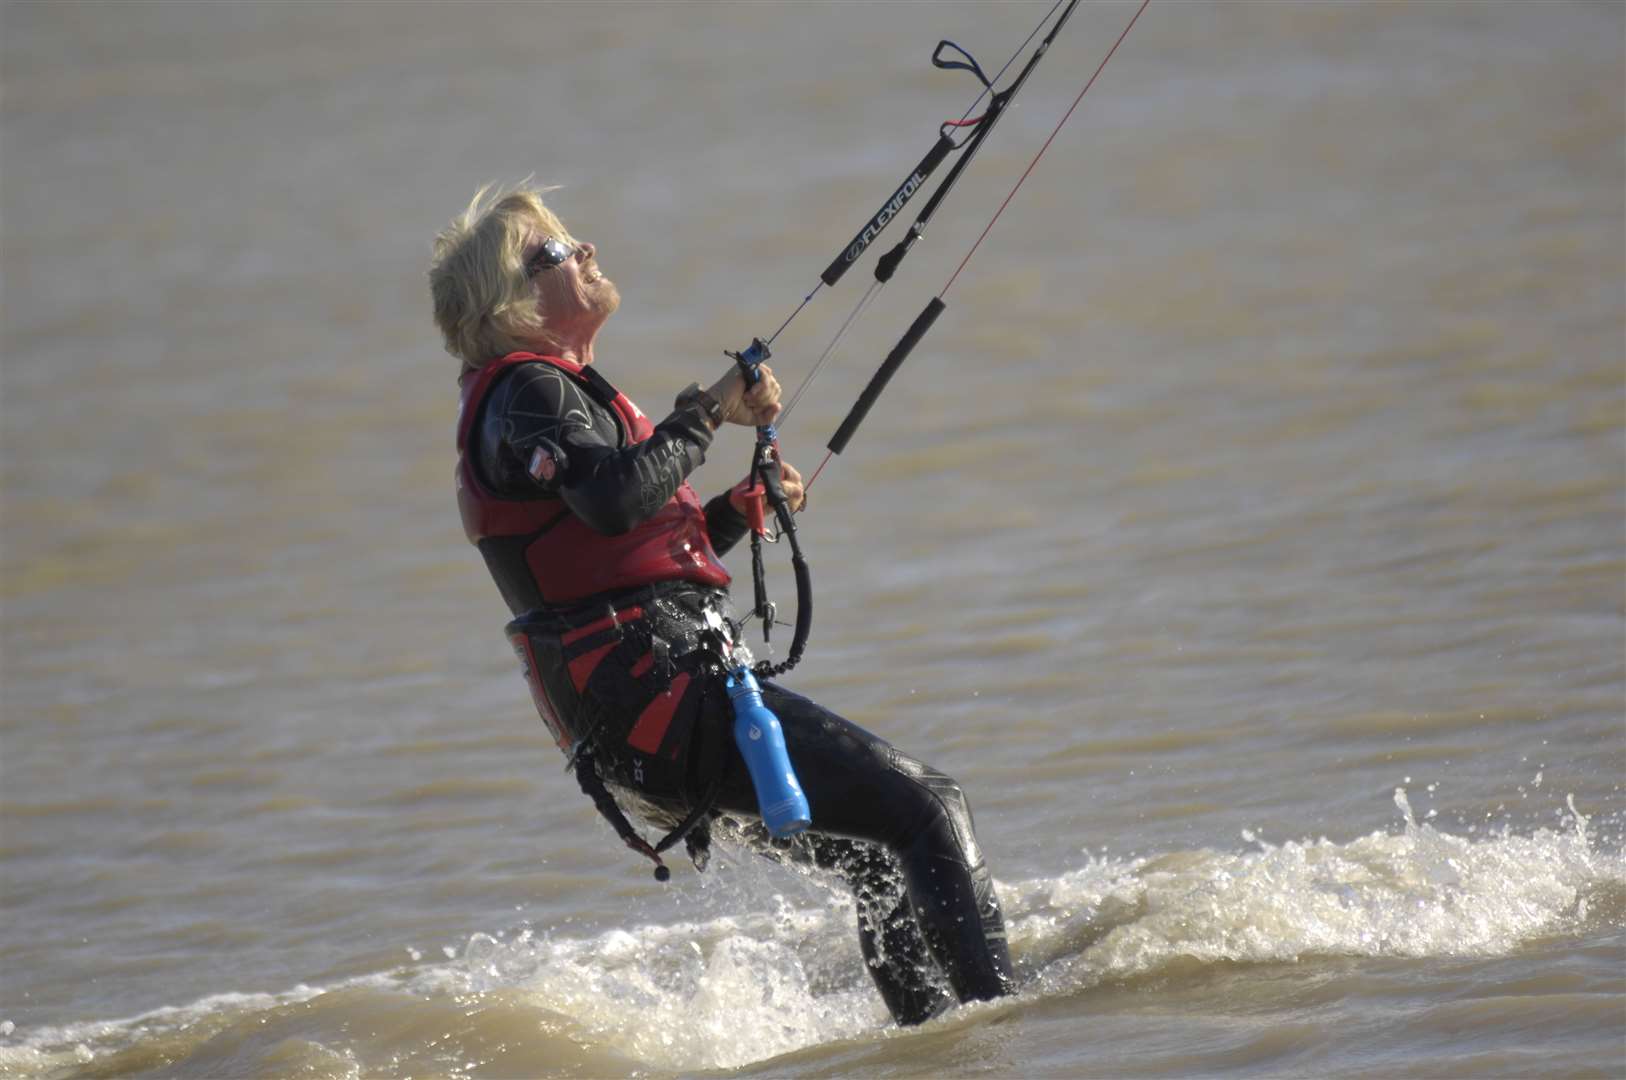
[609,564]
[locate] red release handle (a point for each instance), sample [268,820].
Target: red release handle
[750,497]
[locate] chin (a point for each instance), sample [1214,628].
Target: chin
[609,298]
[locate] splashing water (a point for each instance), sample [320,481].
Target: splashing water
[741,988]
[715,994]
[1419,893]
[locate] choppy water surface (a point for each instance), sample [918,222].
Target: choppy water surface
[1249,537]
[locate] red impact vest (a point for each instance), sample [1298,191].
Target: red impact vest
[567,560]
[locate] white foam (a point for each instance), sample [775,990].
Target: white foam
[729,990]
[1419,892]
[696,995]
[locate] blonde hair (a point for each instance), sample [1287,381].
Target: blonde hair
[484,304]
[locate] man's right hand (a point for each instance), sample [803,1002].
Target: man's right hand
[754,407]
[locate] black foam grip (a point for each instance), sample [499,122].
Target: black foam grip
[889,210]
[877,383]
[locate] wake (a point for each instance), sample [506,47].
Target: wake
[772,976]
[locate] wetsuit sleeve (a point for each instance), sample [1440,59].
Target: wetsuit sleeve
[545,420]
[725,525]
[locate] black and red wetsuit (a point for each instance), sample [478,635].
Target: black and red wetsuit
[609,564]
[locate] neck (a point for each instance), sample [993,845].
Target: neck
[577,352]
[575,342]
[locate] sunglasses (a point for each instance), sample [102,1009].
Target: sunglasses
[552,252]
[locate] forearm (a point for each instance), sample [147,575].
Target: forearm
[725,525]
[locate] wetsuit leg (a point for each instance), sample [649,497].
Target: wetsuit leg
[889,936]
[862,788]
[912,823]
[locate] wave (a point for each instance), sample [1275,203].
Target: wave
[778,977]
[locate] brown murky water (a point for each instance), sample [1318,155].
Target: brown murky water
[1249,536]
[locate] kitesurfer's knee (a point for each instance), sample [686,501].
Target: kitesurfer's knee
[935,810]
[952,890]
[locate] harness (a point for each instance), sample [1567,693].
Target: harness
[688,640]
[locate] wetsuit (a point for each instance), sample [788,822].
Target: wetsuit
[627,674]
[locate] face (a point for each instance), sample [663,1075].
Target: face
[572,293]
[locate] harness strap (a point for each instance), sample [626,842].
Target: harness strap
[694,829]
[583,633]
[593,787]
[716,771]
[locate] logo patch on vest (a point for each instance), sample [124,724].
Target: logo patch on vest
[543,467]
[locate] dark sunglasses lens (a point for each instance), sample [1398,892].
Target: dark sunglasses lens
[557,250]
[551,253]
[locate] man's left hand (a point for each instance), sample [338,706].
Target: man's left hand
[795,490]
[789,478]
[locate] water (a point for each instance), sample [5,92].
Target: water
[1247,537]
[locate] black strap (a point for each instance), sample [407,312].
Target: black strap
[715,769]
[593,787]
[694,828]
[599,388]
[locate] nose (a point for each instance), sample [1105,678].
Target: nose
[585,251]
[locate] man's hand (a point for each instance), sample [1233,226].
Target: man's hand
[754,407]
[789,478]
[795,490]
